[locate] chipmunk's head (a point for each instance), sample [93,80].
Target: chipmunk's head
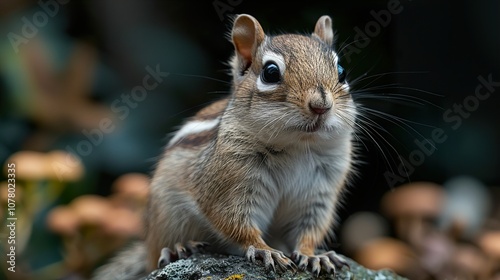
[290,85]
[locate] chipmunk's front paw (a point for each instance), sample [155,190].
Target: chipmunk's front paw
[329,261]
[182,251]
[270,257]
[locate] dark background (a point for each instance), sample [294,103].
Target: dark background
[427,58]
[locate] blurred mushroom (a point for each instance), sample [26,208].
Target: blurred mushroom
[490,243]
[435,251]
[361,228]
[411,206]
[131,191]
[132,184]
[92,243]
[123,223]
[91,209]
[469,260]
[63,220]
[34,169]
[31,172]
[30,165]
[91,228]
[465,207]
[389,253]
[35,172]
[64,166]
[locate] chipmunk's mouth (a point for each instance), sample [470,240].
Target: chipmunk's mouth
[319,124]
[314,126]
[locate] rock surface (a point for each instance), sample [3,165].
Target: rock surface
[214,267]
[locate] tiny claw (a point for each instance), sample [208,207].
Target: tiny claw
[196,246]
[251,254]
[165,257]
[292,266]
[180,251]
[283,262]
[303,262]
[327,265]
[337,260]
[315,266]
[271,265]
[268,260]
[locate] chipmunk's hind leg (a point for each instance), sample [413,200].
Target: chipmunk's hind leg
[181,251]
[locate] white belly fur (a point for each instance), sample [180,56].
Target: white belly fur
[294,179]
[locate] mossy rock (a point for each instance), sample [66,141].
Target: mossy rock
[215,267]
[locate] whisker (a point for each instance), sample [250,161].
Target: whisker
[201,77]
[368,132]
[365,75]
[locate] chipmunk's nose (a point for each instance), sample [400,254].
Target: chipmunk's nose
[320,102]
[319,109]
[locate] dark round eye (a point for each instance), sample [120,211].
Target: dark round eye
[341,73]
[270,73]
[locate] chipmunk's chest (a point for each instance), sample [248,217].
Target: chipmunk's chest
[295,174]
[292,182]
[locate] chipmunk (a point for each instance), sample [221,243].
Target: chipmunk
[259,173]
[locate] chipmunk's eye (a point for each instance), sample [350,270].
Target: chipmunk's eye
[270,73]
[341,73]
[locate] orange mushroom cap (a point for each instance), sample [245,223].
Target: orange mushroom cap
[420,199]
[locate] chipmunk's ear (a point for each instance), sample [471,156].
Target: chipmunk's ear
[323,30]
[247,35]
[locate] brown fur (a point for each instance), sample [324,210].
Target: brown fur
[212,111]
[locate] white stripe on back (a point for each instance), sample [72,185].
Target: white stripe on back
[194,127]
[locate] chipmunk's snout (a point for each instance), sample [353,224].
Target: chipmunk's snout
[321,102]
